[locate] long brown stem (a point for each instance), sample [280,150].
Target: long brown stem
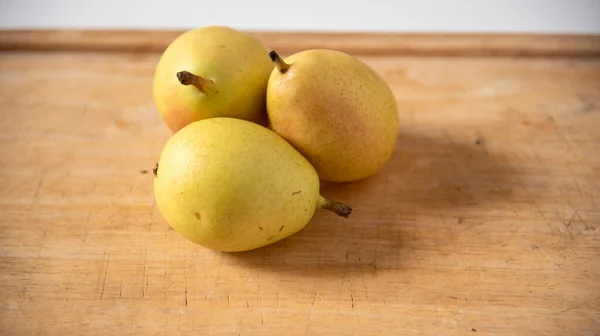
[279,63]
[205,85]
[340,209]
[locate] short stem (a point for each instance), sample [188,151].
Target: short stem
[279,63]
[201,83]
[340,209]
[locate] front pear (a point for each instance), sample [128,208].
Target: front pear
[232,185]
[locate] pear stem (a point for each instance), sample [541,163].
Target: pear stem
[201,83]
[279,63]
[339,208]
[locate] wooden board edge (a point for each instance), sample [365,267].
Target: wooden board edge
[289,42]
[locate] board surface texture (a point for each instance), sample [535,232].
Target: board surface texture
[485,221]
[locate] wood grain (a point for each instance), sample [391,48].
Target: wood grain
[355,43]
[486,220]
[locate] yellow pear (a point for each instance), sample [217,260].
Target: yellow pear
[232,185]
[212,71]
[334,109]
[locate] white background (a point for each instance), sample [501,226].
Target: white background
[509,16]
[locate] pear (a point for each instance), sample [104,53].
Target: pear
[232,185]
[335,110]
[212,71]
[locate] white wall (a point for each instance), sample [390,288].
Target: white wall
[529,16]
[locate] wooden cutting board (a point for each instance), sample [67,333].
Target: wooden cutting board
[486,220]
